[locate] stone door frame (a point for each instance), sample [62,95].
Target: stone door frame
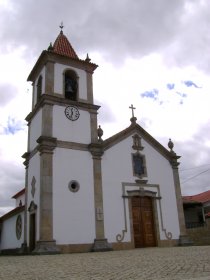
[142,189]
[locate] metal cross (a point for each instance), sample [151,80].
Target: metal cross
[132,108]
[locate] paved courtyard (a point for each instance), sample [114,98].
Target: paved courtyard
[150,264]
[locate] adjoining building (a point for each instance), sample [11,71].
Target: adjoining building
[197,217]
[196,209]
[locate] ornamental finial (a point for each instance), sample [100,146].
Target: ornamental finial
[100,133]
[170,145]
[50,48]
[61,27]
[87,58]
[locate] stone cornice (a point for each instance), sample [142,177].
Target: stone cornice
[96,149]
[59,144]
[46,144]
[48,99]
[26,156]
[72,145]
[174,160]
[47,56]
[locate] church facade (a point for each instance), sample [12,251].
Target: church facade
[83,193]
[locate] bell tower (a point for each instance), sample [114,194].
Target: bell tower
[60,161]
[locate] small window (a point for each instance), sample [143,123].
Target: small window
[39,88]
[71,85]
[73,186]
[139,165]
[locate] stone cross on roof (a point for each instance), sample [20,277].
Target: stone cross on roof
[132,108]
[133,119]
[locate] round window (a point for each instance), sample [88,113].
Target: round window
[73,186]
[18,227]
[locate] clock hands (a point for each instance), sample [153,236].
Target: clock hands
[72,112]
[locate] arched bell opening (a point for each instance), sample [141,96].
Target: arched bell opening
[70,85]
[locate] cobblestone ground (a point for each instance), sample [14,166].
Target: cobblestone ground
[150,264]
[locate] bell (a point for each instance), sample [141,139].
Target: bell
[68,86]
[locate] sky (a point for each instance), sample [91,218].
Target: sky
[152,54]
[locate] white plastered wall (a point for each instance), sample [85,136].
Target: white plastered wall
[117,168]
[73,212]
[35,130]
[34,171]
[42,73]
[8,234]
[82,80]
[160,172]
[20,198]
[73,131]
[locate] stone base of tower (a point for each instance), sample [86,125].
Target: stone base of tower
[101,245]
[46,247]
[184,240]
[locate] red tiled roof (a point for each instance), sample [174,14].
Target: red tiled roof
[12,213]
[19,193]
[207,215]
[62,46]
[201,197]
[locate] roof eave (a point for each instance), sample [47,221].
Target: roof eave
[39,63]
[13,212]
[21,192]
[49,55]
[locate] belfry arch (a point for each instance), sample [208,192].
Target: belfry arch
[71,85]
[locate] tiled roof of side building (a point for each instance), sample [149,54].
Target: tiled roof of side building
[19,193]
[13,212]
[62,46]
[207,215]
[201,197]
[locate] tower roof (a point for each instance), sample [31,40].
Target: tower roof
[61,49]
[62,46]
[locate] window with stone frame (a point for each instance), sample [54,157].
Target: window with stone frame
[139,165]
[39,88]
[70,85]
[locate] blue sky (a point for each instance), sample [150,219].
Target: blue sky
[13,126]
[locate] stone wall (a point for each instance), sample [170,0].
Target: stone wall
[200,235]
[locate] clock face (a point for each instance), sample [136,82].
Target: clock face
[72,113]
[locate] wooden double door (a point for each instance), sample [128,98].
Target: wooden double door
[143,222]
